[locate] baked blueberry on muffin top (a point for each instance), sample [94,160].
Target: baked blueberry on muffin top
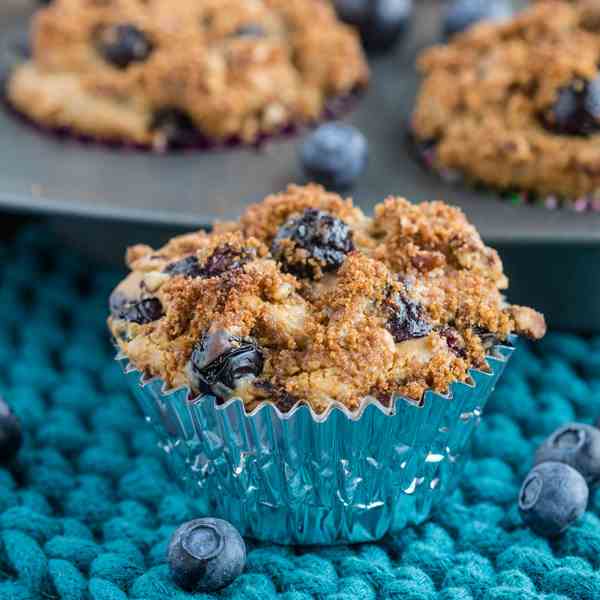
[153,74]
[517,104]
[306,299]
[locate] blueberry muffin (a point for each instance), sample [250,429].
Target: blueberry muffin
[149,74]
[306,299]
[517,105]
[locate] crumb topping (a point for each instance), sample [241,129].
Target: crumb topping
[146,73]
[517,104]
[412,304]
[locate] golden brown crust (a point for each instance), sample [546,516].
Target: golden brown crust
[229,84]
[412,306]
[483,95]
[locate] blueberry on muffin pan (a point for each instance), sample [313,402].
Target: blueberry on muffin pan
[307,300]
[143,73]
[380,22]
[459,15]
[516,105]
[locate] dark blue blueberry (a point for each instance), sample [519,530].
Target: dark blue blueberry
[454,341]
[334,155]
[176,126]
[188,267]
[252,30]
[11,437]
[220,360]
[407,319]
[324,241]
[135,311]
[122,45]
[576,445]
[461,14]
[552,497]
[276,394]
[223,259]
[206,555]
[380,22]
[576,110]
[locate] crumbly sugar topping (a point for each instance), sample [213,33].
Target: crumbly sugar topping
[144,72]
[517,104]
[406,301]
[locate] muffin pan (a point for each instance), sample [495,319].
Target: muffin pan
[46,173]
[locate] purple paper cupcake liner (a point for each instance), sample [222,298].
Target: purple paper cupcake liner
[335,108]
[427,157]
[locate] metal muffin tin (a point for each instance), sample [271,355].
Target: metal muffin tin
[551,256]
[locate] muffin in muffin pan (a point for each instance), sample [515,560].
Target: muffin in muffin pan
[148,74]
[517,105]
[305,300]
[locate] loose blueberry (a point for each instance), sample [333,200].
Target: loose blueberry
[334,155]
[135,311]
[576,445]
[552,497]
[176,126]
[408,320]
[380,22]
[220,360]
[122,45]
[323,241]
[11,437]
[461,14]
[206,555]
[576,110]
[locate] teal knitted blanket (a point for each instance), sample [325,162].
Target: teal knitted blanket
[87,510]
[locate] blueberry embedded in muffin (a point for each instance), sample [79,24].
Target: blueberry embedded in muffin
[211,70]
[516,105]
[220,361]
[576,109]
[312,244]
[307,300]
[122,45]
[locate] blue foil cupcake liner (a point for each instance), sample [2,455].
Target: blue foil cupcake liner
[302,478]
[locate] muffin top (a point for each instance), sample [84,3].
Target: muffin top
[145,71]
[517,104]
[306,299]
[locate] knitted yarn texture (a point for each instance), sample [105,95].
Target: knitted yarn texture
[88,508]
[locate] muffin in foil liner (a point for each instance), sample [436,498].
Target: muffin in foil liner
[301,478]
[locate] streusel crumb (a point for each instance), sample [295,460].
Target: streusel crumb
[306,299]
[158,73]
[517,104]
